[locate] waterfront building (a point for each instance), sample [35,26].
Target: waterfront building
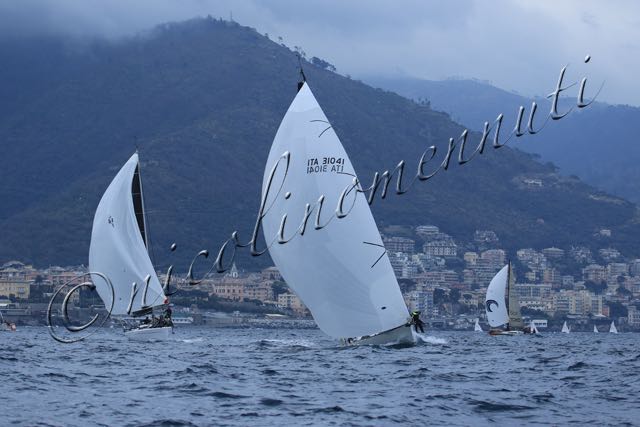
[595,273]
[271,273]
[553,253]
[609,254]
[399,244]
[470,258]
[497,257]
[441,248]
[427,232]
[291,302]
[16,288]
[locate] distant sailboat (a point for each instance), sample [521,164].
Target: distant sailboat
[533,328]
[613,329]
[565,328]
[341,272]
[595,329]
[477,327]
[6,326]
[502,305]
[119,251]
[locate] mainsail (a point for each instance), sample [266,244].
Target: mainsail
[612,328]
[595,329]
[477,327]
[515,318]
[565,328]
[341,272]
[118,245]
[495,301]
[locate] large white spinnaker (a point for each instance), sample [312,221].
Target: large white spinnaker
[495,302]
[118,245]
[341,272]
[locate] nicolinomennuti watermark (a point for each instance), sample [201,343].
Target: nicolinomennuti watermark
[380,183]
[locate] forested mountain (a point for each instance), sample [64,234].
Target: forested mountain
[202,100]
[598,143]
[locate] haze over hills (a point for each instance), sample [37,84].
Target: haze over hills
[598,143]
[202,101]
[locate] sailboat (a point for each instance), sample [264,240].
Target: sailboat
[341,272]
[595,329]
[613,329]
[119,251]
[502,305]
[477,327]
[533,328]
[565,328]
[6,326]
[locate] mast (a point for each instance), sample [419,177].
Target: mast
[515,318]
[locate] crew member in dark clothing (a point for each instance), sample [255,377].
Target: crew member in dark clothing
[417,322]
[167,316]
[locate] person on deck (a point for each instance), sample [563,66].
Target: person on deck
[167,316]
[417,322]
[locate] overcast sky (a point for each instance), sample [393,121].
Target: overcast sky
[518,45]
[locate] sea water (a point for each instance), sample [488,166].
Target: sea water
[284,377]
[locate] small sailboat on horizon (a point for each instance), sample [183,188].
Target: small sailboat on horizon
[503,306]
[612,328]
[477,327]
[595,329]
[341,272]
[6,326]
[565,328]
[119,251]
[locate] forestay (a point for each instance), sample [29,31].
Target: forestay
[495,303]
[341,272]
[117,247]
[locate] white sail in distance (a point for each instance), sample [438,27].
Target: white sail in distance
[495,301]
[341,272]
[613,329]
[595,329]
[118,245]
[477,327]
[565,328]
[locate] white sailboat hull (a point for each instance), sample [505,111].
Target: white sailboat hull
[397,336]
[149,334]
[511,333]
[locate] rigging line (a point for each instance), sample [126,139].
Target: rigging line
[322,121]
[380,246]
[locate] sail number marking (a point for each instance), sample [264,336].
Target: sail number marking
[325,164]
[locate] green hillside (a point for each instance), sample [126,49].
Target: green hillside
[202,101]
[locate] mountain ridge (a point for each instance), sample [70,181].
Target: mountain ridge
[202,100]
[600,133]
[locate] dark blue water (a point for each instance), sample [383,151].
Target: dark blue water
[300,377]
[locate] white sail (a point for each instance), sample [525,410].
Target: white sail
[341,272]
[533,328]
[477,327]
[565,328]
[595,329]
[495,302]
[118,249]
[613,329]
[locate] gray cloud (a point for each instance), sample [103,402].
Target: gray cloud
[517,44]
